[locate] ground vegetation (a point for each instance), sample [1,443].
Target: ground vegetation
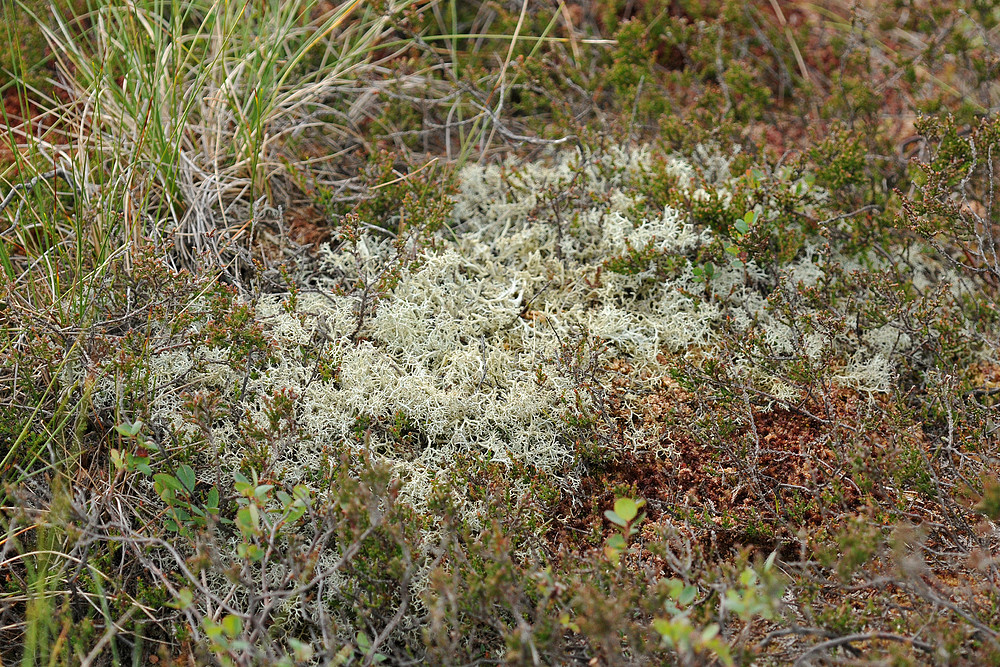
[602,332]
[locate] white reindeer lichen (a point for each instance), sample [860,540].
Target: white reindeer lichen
[459,344]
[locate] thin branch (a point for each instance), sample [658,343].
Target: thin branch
[49,175]
[863,637]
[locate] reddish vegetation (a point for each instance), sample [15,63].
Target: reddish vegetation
[719,486]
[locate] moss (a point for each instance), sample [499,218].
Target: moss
[26,60]
[27,65]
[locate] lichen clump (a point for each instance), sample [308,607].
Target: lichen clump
[468,347]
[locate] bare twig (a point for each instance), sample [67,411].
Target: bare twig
[863,637]
[49,175]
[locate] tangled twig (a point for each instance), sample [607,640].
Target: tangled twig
[49,175]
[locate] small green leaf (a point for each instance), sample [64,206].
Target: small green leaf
[616,542]
[662,626]
[567,622]
[245,522]
[129,430]
[213,629]
[232,625]
[614,518]
[688,595]
[240,482]
[167,481]
[212,501]
[183,599]
[295,513]
[187,477]
[627,508]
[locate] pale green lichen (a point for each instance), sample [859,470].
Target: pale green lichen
[448,348]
